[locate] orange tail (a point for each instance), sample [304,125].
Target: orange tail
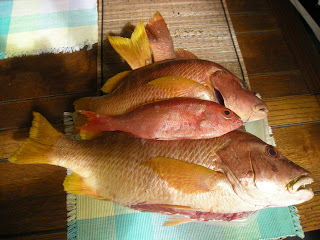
[96,122]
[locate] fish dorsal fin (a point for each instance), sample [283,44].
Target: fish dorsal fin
[182,87]
[181,53]
[160,39]
[76,184]
[176,221]
[185,177]
[88,135]
[114,81]
[136,50]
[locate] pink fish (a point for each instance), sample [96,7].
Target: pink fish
[177,118]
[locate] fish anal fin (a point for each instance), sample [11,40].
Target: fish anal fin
[76,184]
[176,207]
[183,87]
[173,221]
[181,53]
[185,177]
[113,82]
[136,50]
[36,148]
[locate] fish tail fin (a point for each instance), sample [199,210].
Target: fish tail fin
[37,147]
[160,39]
[95,121]
[136,50]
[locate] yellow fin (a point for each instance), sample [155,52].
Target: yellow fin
[36,148]
[87,135]
[188,178]
[76,184]
[113,82]
[82,103]
[182,87]
[136,51]
[176,221]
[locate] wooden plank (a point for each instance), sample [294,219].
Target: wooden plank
[37,236]
[254,23]
[310,214]
[18,114]
[10,140]
[293,110]
[300,144]
[31,198]
[48,74]
[278,85]
[265,52]
[235,7]
[299,41]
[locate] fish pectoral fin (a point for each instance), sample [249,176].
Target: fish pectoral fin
[178,86]
[182,53]
[37,147]
[185,177]
[76,184]
[136,50]
[88,135]
[173,221]
[113,82]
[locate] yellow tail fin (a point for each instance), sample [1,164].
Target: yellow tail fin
[136,51]
[36,148]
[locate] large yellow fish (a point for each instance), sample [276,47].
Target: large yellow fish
[222,178]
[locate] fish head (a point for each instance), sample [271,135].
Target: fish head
[262,176]
[223,118]
[233,93]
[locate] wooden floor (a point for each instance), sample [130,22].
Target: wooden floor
[282,64]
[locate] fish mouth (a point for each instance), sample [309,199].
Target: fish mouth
[299,183]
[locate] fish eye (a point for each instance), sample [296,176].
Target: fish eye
[227,113]
[272,152]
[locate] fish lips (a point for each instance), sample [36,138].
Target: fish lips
[297,186]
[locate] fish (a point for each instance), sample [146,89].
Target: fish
[223,178]
[173,119]
[192,78]
[174,73]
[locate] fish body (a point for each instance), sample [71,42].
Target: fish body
[178,118]
[193,78]
[231,175]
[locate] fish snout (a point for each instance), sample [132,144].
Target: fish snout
[238,123]
[261,109]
